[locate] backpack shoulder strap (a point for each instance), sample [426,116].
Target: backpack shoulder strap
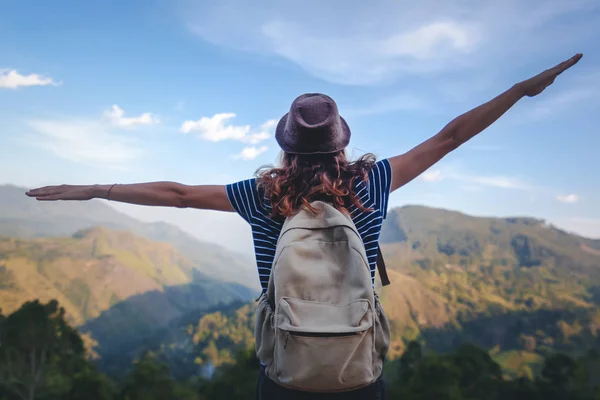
[381,268]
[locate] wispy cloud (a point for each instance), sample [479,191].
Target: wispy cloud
[476,182]
[12,79]
[401,102]
[432,176]
[568,198]
[89,141]
[375,42]
[579,90]
[116,116]
[84,141]
[498,181]
[552,105]
[250,153]
[473,180]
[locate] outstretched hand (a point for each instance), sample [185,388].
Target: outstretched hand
[62,192]
[536,85]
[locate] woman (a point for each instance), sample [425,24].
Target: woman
[313,138]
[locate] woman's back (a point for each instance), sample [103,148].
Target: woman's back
[251,202]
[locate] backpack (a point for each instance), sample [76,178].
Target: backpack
[320,326]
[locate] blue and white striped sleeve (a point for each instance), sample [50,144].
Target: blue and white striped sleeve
[245,199]
[380,182]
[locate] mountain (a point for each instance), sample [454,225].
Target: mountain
[490,267]
[115,285]
[518,287]
[24,217]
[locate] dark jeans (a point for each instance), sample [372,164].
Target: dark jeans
[269,390]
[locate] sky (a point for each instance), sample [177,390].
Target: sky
[190,91]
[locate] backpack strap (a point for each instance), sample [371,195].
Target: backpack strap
[381,268]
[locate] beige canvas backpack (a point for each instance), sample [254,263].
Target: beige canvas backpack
[320,326]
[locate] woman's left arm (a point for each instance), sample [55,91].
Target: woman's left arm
[407,166]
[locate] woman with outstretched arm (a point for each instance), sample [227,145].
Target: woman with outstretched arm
[313,138]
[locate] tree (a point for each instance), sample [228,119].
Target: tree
[410,361]
[151,380]
[91,385]
[559,370]
[587,375]
[519,389]
[234,382]
[558,375]
[39,350]
[479,374]
[435,378]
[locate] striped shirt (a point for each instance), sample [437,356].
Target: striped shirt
[251,204]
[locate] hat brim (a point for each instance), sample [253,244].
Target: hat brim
[290,143]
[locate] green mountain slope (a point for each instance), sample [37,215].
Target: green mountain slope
[516,286]
[128,285]
[24,217]
[487,267]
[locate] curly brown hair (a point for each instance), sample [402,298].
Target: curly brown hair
[302,179]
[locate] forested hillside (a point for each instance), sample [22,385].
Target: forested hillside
[113,285]
[518,288]
[43,357]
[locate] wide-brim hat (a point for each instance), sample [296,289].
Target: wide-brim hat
[312,126]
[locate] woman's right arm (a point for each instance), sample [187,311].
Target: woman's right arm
[165,194]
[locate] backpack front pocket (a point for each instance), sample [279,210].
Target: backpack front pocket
[322,347]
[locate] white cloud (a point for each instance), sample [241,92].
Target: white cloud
[217,129]
[503,182]
[375,42]
[497,181]
[425,42]
[250,153]
[432,176]
[84,141]
[116,116]
[569,198]
[264,133]
[11,79]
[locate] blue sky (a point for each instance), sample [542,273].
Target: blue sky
[103,92]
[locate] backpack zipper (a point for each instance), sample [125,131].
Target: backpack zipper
[287,336]
[317,334]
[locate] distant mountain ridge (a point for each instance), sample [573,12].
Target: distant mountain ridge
[24,217]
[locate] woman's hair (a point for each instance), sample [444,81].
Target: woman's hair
[302,179]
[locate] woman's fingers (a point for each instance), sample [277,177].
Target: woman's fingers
[45,191]
[563,66]
[61,192]
[49,198]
